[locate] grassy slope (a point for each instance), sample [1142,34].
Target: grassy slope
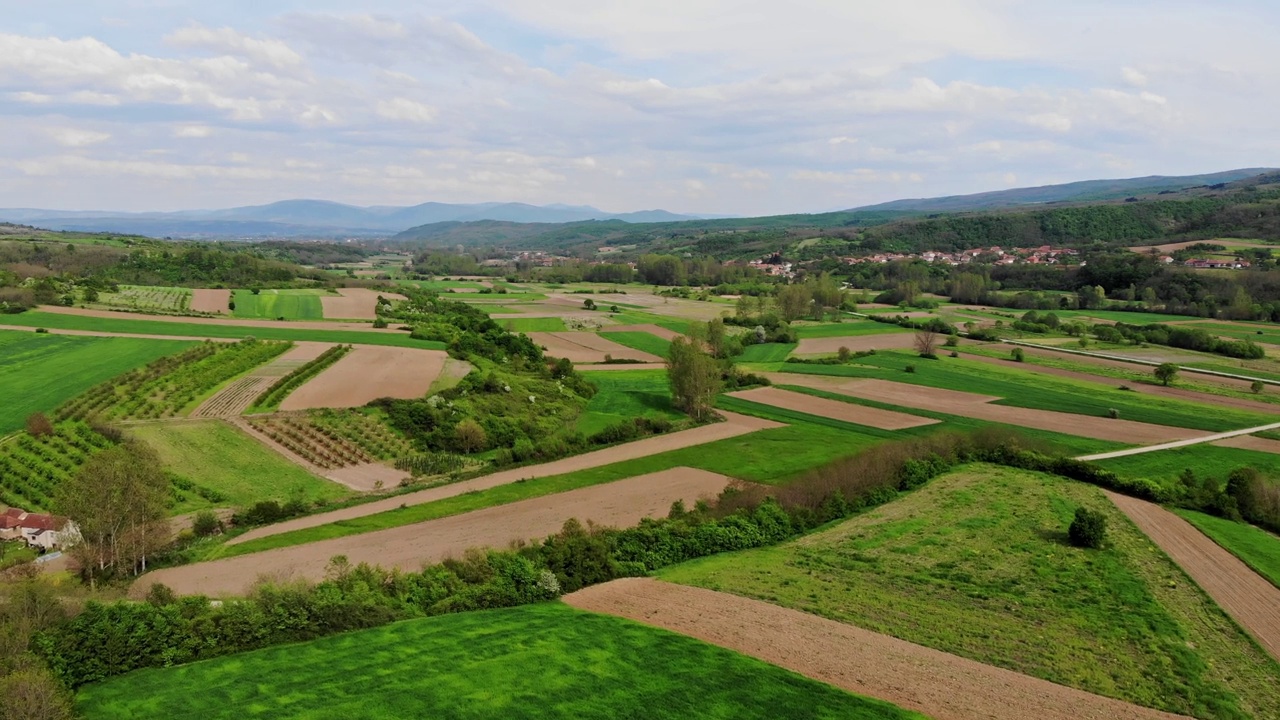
[1256,547]
[642,341]
[976,564]
[540,661]
[39,372]
[272,304]
[1023,388]
[216,455]
[212,330]
[625,394]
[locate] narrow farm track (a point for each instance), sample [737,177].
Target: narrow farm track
[1219,437]
[621,503]
[943,686]
[734,426]
[1246,596]
[232,400]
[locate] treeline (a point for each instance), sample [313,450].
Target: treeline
[652,269]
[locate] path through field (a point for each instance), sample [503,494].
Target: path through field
[943,686]
[733,426]
[954,402]
[834,409]
[1250,599]
[1181,443]
[622,504]
[367,373]
[232,400]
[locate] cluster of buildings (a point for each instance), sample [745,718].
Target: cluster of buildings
[48,532]
[773,265]
[1043,255]
[1215,263]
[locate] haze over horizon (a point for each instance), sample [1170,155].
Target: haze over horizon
[705,106]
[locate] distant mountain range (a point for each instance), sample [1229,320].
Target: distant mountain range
[501,222]
[315,218]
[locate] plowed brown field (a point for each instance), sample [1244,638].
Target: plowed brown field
[1249,442]
[887,341]
[354,303]
[834,409]
[367,373]
[585,347]
[658,330]
[210,301]
[1245,595]
[945,687]
[620,503]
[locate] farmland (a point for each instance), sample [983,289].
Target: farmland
[31,467]
[550,661]
[278,304]
[970,561]
[149,299]
[40,371]
[1258,548]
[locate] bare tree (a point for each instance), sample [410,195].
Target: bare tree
[926,342]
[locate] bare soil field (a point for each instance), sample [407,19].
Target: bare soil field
[584,347]
[834,409]
[367,373]
[888,341]
[354,303]
[620,503]
[1249,442]
[622,366]
[943,686]
[210,301]
[1122,365]
[232,400]
[661,332]
[734,426]
[1251,600]
[975,406]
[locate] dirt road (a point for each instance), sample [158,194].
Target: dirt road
[943,686]
[1246,596]
[621,503]
[1226,436]
[734,426]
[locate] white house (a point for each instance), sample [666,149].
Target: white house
[38,530]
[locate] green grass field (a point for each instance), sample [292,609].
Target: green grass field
[1264,333]
[527,325]
[38,372]
[852,328]
[532,662]
[213,330]
[1256,547]
[1023,388]
[217,456]
[977,564]
[1132,318]
[642,341]
[626,394]
[766,352]
[275,304]
[1204,460]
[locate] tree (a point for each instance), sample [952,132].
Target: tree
[589,304]
[206,523]
[694,377]
[470,436]
[32,693]
[38,425]
[1018,354]
[1166,373]
[1088,529]
[1257,387]
[716,337]
[926,342]
[118,500]
[794,301]
[843,354]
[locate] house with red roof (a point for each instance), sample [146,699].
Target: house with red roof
[37,529]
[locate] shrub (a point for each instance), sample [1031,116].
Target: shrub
[910,368]
[843,354]
[38,425]
[1018,355]
[206,523]
[955,354]
[1166,373]
[1113,413]
[1088,529]
[379,323]
[42,330]
[1257,387]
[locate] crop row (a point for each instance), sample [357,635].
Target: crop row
[431,463]
[314,444]
[235,398]
[32,467]
[372,435]
[167,386]
[150,298]
[281,388]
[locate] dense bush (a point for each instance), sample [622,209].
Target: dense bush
[1088,529]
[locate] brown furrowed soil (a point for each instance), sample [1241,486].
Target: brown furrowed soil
[1132,367]
[954,402]
[834,409]
[210,301]
[366,373]
[585,347]
[943,686]
[1250,599]
[354,303]
[658,330]
[622,366]
[621,503]
[734,426]
[888,341]
[1249,442]
[232,400]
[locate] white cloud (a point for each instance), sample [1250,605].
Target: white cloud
[273,53]
[192,131]
[75,138]
[1050,121]
[1133,77]
[405,110]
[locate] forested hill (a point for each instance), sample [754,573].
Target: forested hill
[1247,208]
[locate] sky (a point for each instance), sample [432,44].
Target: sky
[743,107]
